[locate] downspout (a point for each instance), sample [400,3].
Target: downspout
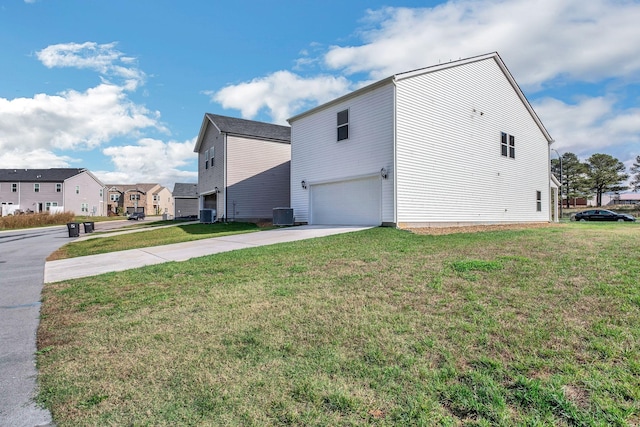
[224,178]
[395,154]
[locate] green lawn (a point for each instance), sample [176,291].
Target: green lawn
[380,327]
[152,236]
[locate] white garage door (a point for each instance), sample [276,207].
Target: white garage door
[353,202]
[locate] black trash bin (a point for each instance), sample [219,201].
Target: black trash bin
[74,229]
[88,226]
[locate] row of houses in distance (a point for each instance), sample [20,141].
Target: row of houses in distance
[78,190]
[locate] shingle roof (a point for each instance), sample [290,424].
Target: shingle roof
[39,175]
[244,127]
[185,190]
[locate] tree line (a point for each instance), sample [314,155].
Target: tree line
[599,174]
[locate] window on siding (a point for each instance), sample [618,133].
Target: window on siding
[85,207]
[212,155]
[507,145]
[14,188]
[36,188]
[206,159]
[58,188]
[539,201]
[77,189]
[343,125]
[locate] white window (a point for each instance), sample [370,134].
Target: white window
[206,159]
[36,188]
[114,197]
[343,125]
[539,201]
[14,188]
[58,188]
[85,207]
[77,189]
[508,145]
[47,206]
[134,197]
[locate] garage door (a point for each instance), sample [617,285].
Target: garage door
[353,202]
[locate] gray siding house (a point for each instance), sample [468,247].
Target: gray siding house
[243,167]
[185,196]
[58,189]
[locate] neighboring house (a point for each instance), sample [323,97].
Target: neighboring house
[59,189]
[152,199]
[243,167]
[185,198]
[620,199]
[452,144]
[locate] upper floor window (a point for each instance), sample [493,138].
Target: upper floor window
[77,189]
[14,188]
[343,125]
[206,159]
[36,188]
[134,197]
[539,201]
[508,145]
[114,197]
[58,188]
[101,193]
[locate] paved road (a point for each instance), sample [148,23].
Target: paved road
[22,259]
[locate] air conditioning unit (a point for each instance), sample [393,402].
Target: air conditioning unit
[207,216]
[282,216]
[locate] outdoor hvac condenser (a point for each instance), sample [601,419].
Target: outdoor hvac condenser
[207,216]
[282,216]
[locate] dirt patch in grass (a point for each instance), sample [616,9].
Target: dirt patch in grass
[437,231]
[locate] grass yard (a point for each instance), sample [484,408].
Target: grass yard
[380,327]
[150,237]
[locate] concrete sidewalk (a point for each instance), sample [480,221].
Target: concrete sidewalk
[73,268]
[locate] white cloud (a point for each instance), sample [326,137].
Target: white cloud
[591,125]
[103,58]
[150,161]
[71,119]
[35,158]
[282,93]
[540,40]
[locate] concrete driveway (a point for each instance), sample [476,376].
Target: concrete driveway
[72,268]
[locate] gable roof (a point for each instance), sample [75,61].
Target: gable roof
[126,188]
[243,127]
[185,190]
[432,69]
[39,175]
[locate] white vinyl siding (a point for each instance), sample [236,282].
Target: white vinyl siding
[316,156]
[450,167]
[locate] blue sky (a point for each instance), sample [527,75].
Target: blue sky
[121,87]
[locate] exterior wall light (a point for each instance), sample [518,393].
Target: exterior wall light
[215,190]
[304,184]
[383,173]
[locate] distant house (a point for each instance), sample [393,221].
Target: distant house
[151,199]
[57,189]
[185,199]
[452,144]
[621,199]
[243,167]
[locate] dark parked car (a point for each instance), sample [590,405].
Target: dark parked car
[603,215]
[136,215]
